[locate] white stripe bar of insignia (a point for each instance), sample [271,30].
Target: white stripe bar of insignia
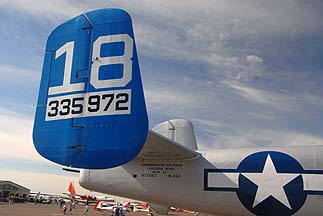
[313,182]
[223,180]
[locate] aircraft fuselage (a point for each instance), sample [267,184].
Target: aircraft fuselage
[281,181]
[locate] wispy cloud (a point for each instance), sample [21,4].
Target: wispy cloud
[51,11]
[15,137]
[19,74]
[268,138]
[280,100]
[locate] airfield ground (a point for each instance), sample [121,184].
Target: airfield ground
[29,209]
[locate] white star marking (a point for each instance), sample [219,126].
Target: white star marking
[270,183]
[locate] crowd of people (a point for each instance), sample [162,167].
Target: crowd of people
[67,207]
[71,206]
[118,211]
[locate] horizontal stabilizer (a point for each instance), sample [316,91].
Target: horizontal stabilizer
[158,147]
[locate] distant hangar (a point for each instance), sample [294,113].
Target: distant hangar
[9,188]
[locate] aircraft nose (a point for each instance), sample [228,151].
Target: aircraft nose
[84,178]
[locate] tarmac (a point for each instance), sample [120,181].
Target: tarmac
[30,209]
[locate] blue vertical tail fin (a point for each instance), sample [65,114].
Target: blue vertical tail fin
[91,110]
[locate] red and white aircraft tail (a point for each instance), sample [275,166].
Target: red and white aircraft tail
[72,195]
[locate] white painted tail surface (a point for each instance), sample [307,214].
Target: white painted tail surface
[178,130]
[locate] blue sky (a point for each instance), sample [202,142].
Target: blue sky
[246,73]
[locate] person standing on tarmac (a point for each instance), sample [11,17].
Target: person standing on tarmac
[72,206]
[64,209]
[86,209]
[121,212]
[116,211]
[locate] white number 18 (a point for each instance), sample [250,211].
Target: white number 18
[98,61]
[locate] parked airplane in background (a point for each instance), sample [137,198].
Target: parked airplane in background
[91,114]
[71,195]
[138,207]
[112,206]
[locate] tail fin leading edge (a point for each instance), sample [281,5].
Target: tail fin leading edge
[91,110]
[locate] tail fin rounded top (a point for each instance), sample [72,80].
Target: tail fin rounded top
[91,110]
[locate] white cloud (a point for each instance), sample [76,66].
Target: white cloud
[265,137]
[16,137]
[50,10]
[254,61]
[278,99]
[260,138]
[162,100]
[19,74]
[256,95]
[6,112]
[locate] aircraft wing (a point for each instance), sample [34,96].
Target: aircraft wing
[158,147]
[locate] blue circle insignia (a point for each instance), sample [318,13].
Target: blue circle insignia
[270,183]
